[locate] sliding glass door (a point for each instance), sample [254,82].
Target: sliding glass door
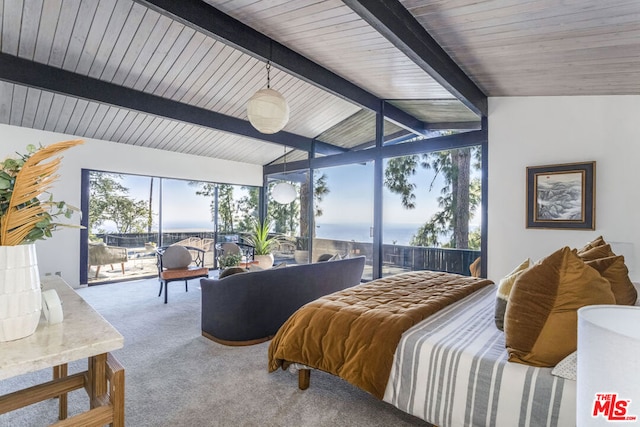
[131,215]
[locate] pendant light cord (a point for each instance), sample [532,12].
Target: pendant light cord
[268,75]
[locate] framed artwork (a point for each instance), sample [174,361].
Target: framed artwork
[561,196]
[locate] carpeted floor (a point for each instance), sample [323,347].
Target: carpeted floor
[176,377]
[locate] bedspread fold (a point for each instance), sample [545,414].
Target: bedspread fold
[354,333]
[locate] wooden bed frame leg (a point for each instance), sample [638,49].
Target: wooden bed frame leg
[304,377]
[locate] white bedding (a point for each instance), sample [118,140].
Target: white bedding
[452,370]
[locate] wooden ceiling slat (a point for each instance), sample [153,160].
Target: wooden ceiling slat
[79,35]
[115,124]
[110,37]
[130,75]
[124,125]
[163,127]
[143,126]
[168,59]
[6,97]
[178,135]
[47,30]
[131,127]
[122,42]
[28,29]
[135,47]
[222,65]
[93,40]
[30,107]
[539,47]
[11,23]
[76,116]
[18,99]
[184,60]
[65,115]
[43,109]
[98,117]
[64,28]
[144,132]
[201,74]
[106,122]
[169,136]
[198,62]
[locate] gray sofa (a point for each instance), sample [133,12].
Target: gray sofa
[248,308]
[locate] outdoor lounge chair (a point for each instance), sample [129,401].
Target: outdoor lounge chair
[101,254]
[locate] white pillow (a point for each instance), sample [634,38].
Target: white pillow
[176,256]
[567,367]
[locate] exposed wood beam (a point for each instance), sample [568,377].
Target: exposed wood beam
[391,19]
[203,17]
[454,126]
[20,71]
[438,143]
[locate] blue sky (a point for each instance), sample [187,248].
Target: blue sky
[350,199]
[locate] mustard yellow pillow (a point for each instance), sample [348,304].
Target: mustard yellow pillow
[602,251]
[616,272]
[475,267]
[541,321]
[504,289]
[598,241]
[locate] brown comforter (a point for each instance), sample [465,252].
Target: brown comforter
[354,333]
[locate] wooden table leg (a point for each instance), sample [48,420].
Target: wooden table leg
[61,371]
[97,379]
[115,371]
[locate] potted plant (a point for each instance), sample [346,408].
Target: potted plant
[25,217]
[229,260]
[262,243]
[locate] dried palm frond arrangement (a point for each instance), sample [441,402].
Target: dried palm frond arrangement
[24,216]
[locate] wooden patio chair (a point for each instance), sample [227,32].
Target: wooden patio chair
[174,265]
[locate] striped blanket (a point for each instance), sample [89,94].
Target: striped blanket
[452,370]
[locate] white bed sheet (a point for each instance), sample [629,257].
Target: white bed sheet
[452,370]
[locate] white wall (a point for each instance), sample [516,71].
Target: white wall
[62,252]
[533,131]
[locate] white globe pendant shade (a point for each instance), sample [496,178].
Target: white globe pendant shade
[268,111]
[283,193]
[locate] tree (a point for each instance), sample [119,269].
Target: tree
[226,211]
[109,201]
[459,196]
[320,190]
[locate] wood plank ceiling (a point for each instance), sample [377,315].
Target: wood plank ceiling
[139,73]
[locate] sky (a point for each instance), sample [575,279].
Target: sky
[349,201]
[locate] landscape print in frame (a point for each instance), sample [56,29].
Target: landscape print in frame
[561,196]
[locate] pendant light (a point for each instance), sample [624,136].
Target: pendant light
[267,109]
[283,192]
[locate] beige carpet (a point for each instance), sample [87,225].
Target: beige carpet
[176,377]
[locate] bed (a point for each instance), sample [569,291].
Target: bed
[444,363]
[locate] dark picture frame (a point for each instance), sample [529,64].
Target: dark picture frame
[561,196]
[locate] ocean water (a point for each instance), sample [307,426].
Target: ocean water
[400,233]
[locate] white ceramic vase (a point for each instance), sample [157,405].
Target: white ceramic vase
[264,261]
[20,294]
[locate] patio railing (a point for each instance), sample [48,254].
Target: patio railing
[394,257]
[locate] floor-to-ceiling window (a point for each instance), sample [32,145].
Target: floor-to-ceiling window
[343,212]
[131,215]
[290,218]
[431,211]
